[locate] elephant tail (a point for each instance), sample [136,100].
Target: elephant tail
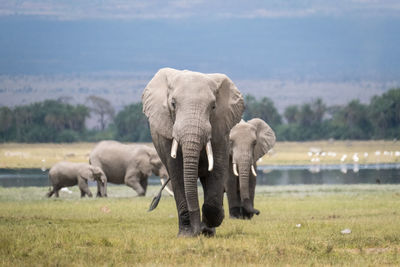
[156,199]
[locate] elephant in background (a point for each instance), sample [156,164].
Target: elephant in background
[129,164]
[249,141]
[65,174]
[190,116]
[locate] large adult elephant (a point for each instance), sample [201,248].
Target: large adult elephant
[249,141]
[190,116]
[129,164]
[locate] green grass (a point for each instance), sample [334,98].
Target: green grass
[119,231]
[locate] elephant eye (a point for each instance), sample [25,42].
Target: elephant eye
[213,105]
[173,103]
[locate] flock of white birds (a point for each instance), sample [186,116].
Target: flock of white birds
[315,157]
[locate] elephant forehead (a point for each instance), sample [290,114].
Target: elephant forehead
[193,81]
[243,130]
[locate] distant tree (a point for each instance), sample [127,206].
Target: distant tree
[352,122]
[263,109]
[102,108]
[6,123]
[49,121]
[131,124]
[384,112]
[291,114]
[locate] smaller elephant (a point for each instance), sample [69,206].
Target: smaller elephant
[249,141]
[65,174]
[129,164]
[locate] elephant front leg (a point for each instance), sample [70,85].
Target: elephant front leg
[143,182]
[134,183]
[84,188]
[233,195]
[213,187]
[98,190]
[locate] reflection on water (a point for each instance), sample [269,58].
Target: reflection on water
[36,177]
[329,174]
[267,175]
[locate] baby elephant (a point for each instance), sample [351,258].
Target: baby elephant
[65,174]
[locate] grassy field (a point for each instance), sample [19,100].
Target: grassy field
[118,231]
[45,155]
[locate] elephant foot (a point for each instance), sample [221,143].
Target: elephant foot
[236,213]
[185,232]
[207,231]
[212,216]
[247,215]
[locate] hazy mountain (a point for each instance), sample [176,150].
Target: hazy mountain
[288,50]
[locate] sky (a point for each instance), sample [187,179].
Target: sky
[183,9]
[325,42]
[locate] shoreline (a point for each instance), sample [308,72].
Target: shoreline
[318,153]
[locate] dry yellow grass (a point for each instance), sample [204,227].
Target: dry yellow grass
[16,155]
[297,152]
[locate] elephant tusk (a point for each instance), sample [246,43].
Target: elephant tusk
[235,170]
[166,188]
[174,148]
[253,170]
[210,156]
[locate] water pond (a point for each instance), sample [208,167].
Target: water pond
[267,175]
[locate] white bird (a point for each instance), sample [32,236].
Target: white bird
[343,158]
[356,168]
[343,168]
[397,153]
[355,157]
[65,189]
[309,154]
[365,154]
[377,153]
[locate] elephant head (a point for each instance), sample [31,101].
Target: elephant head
[194,111]
[249,141]
[93,173]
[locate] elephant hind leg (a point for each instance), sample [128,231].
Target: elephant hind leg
[50,193]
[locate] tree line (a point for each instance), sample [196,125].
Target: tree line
[60,121]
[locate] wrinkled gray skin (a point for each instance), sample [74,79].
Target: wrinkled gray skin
[127,164]
[193,108]
[249,141]
[65,174]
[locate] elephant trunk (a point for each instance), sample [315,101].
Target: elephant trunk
[244,183]
[191,147]
[244,180]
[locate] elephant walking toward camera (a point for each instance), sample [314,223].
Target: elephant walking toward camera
[127,164]
[190,116]
[249,141]
[65,174]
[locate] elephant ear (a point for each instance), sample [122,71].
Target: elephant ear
[229,105]
[155,105]
[143,158]
[87,173]
[265,137]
